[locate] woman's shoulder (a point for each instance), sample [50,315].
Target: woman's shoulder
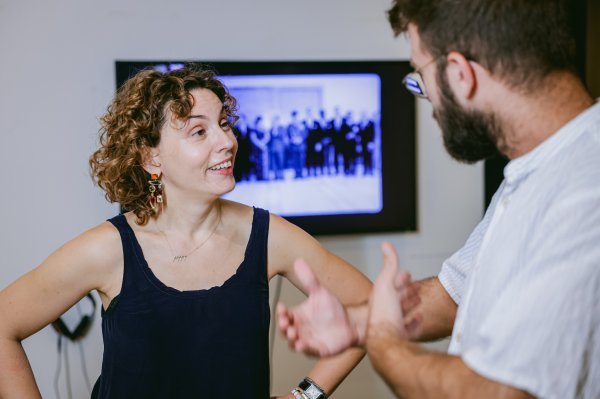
[236,220]
[245,214]
[96,249]
[92,257]
[237,211]
[101,244]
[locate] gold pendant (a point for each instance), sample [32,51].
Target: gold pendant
[179,258]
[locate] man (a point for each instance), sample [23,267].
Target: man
[522,297]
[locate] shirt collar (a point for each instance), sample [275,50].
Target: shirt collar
[519,168]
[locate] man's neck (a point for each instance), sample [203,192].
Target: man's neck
[530,119]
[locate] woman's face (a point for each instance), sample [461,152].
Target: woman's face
[195,156]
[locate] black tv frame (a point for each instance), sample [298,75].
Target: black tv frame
[398,139]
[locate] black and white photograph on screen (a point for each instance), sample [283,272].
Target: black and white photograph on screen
[301,134]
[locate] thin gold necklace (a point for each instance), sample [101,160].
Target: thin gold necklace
[183,258]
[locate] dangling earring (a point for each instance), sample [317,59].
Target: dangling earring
[155,189]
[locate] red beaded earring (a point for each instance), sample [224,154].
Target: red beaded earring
[155,189]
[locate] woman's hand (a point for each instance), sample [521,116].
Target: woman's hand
[320,325]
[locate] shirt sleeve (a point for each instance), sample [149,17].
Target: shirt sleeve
[457,267]
[454,274]
[543,333]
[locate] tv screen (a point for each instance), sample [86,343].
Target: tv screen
[328,145]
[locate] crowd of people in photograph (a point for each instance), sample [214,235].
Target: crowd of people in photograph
[306,146]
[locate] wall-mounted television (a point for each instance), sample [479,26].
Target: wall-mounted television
[329,145]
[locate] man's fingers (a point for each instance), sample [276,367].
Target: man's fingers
[390,263]
[409,297]
[307,278]
[390,257]
[402,279]
[410,302]
[413,323]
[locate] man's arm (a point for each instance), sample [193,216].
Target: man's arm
[413,372]
[436,310]
[409,370]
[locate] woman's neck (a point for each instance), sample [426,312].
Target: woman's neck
[189,220]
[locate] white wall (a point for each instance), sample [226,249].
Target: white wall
[57,76]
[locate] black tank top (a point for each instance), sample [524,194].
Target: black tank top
[163,343]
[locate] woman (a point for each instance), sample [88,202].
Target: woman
[183,275]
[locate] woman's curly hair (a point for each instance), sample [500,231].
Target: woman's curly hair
[132,124]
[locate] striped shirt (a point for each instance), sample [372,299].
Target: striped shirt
[527,281]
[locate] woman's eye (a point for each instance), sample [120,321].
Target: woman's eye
[225,125]
[199,132]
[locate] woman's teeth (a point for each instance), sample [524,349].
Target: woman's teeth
[224,165]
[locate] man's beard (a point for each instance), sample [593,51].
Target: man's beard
[469,136]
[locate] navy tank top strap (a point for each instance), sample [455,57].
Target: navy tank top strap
[256,251]
[132,265]
[127,238]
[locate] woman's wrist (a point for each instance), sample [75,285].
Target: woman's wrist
[308,389]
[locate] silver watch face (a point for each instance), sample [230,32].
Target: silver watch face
[312,392]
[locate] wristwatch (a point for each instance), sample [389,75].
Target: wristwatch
[311,389]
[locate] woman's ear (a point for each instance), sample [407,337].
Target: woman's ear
[462,77]
[151,161]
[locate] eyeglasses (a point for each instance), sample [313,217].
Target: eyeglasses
[414,81]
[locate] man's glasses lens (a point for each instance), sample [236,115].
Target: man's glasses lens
[413,84]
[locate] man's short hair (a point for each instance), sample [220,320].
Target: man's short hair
[519,41]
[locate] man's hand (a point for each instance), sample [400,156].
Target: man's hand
[319,326]
[394,297]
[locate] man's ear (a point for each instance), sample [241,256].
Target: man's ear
[151,161]
[461,76]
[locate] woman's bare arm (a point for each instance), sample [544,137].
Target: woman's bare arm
[288,243]
[86,263]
